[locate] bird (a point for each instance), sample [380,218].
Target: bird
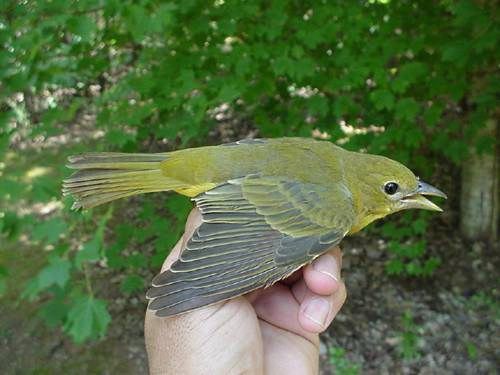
[268,206]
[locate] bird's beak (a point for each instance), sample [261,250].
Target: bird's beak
[417,199]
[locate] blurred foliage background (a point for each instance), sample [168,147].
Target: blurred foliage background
[414,80]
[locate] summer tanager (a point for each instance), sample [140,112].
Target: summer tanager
[269,206]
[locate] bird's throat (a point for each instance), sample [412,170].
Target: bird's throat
[363,221]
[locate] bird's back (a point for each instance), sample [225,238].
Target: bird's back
[304,160]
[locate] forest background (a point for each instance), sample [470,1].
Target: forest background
[416,81]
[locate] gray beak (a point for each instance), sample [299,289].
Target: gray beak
[426,189]
[417,200]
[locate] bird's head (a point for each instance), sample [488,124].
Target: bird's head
[382,186]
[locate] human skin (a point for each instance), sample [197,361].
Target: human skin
[269,331]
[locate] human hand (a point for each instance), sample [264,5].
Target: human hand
[273,330]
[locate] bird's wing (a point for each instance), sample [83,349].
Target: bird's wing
[254,232]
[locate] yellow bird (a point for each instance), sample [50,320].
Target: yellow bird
[269,206]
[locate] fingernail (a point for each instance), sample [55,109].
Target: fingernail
[327,265]
[317,310]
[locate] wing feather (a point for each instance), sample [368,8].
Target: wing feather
[255,231]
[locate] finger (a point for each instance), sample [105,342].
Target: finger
[320,293]
[277,306]
[317,312]
[252,296]
[322,276]
[193,221]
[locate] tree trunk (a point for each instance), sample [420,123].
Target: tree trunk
[480,193]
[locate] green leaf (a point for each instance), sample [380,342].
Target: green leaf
[409,74]
[179,206]
[136,260]
[457,52]
[54,312]
[132,283]
[433,114]
[49,230]
[319,105]
[283,65]
[90,252]
[419,226]
[413,268]
[83,26]
[301,68]
[394,267]
[114,256]
[119,137]
[137,22]
[45,188]
[382,99]
[472,351]
[431,265]
[55,273]
[10,225]
[456,150]
[87,319]
[11,189]
[311,38]
[342,106]
[485,144]
[60,114]
[187,81]
[31,289]
[163,244]
[228,93]
[407,109]
[3,280]
[165,14]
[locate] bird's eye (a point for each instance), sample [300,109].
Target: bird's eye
[391,188]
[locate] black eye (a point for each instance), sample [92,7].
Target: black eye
[391,188]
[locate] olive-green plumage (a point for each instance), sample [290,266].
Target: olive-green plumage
[269,206]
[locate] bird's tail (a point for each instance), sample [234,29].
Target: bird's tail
[104,177]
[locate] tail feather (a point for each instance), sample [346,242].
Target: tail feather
[115,160]
[107,175]
[104,177]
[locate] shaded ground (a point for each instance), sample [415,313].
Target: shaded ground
[452,323]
